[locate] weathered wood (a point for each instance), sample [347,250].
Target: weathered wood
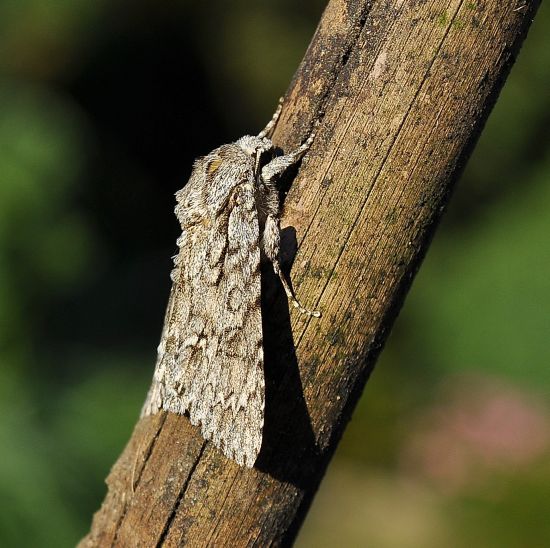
[401,89]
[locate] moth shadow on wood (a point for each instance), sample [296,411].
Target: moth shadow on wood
[288,440]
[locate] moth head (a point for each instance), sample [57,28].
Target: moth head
[255,147]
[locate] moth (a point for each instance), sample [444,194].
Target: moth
[210,357]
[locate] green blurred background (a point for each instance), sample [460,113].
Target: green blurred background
[103,106]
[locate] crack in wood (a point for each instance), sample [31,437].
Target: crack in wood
[146,458]
[177,502]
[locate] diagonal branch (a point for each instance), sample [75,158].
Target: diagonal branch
[401,91]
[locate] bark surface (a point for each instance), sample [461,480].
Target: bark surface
[400,90]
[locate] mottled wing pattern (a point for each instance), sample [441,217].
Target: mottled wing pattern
[210,359]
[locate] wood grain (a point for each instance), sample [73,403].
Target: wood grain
[400,91]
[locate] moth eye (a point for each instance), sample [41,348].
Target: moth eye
[213,166]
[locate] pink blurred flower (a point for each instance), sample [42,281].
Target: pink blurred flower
[479,426]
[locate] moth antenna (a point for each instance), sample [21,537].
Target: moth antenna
[267,131]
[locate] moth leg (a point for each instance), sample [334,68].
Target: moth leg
[271,124]
[271,241]
[271,235]
[272,170]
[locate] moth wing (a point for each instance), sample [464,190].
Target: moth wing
[210,360]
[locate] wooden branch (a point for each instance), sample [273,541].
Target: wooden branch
[401,89]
